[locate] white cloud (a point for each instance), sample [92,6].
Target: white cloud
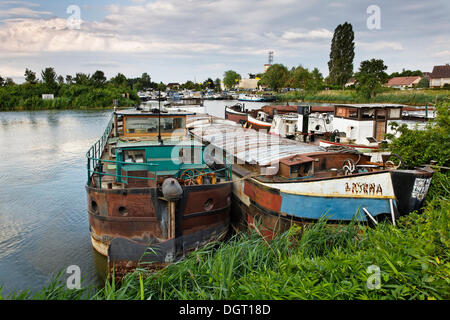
[22,12]
[379,45]
[312,34]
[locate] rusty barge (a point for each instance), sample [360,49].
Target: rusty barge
[152,195]
[278,181]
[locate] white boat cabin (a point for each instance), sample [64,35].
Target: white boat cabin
[364,124]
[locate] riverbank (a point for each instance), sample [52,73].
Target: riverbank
[408,97]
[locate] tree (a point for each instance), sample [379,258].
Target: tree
[209,84]
[119,80]
[231,78]
[30,76]
[69,79]
[217,85]
[423,83]
[275,77]
[49,77]
[342,54]
[60,80]
[146,81]
[316,82]
[406,73]
[299,78]
[2,81]
[98,79]
[371,76]
[82,79]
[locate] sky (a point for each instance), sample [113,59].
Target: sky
[180,40]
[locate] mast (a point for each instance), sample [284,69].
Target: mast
[159,117]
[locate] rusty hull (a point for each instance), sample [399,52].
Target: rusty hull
[139,218]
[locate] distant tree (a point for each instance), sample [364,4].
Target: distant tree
[342,54]
[2,81]
[146,81]
[209,84]
[60,80]
[119,80]
[316,81]
[9,82]
[188,85]
[69,79]
[82,79]
[406,73]
[217,85]
[275,77]
[162,86]
[299,78]
[423,83]
[231,78]
[98,79]
[49,77]
[30,76]
[371,77]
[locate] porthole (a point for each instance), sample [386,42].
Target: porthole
[94,206]
[123,211]
[209,204]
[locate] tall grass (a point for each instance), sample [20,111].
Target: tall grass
[411,97]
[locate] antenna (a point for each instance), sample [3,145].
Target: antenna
[159,117]
[270,57]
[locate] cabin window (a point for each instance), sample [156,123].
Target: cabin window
[394,113]
[169,124]
[353,113]
[149,125]
[344,112]
[367,114]
[141,125]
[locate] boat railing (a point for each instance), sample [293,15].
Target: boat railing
[95,163]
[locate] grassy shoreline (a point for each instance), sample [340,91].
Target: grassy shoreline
[412,97]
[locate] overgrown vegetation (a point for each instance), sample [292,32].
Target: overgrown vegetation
[411,97]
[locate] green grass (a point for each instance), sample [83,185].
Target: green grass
[318,262]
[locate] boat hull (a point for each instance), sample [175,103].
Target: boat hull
[258,124]
[238,117]
[141,218]
[274,207]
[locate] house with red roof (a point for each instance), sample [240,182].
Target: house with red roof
[440,76]
[403,82]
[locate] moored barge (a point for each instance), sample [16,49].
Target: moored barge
[152,196]
[280,181]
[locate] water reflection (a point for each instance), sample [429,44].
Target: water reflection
[43,217]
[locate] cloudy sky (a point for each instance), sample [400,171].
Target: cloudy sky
[179,40]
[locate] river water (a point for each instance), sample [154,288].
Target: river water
[43,211]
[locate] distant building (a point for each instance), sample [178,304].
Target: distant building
[248,83]
[350,82]
[440,76]
[48,96]
[403,82]
[173,85]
